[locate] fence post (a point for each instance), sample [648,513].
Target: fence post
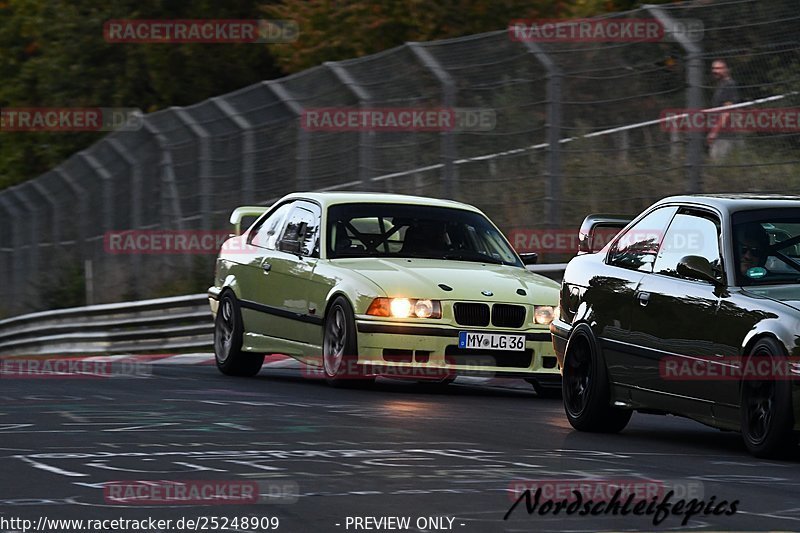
[83,208]
[169,190]
[204,165]
[694,97]
[108,188]
[448,102]
[553,189]
[248,148]
[137,195]
[365,138]
[28,219]
[170,198]
[55,228]
[16,293]
[302,152]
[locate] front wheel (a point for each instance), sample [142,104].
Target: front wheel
[228,331]
[766,404]
[339,347]
[586,391]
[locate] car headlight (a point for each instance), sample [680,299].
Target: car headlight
[544,314]
[405,308]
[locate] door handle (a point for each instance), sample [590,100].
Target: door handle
[266,266]
[644,298]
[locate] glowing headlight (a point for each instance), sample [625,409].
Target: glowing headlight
[405,308]
[544,314]
[400,307]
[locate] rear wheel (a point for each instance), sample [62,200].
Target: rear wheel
[586,391]
[766,405]
[339,347]
[228,331]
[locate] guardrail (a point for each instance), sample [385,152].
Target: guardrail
[182,322]
[177,323]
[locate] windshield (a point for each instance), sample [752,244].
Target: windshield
[414,231]
[767,247]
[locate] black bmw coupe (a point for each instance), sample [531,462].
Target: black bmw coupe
[693,309]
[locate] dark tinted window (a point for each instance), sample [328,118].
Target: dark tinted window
[427,232]
[766,246]
[636,249]
[689,234]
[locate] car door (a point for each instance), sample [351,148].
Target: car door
[257,289]
[610,292]
[290,268]
[675,317]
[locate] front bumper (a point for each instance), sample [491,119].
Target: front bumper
[560,331]
[435,348]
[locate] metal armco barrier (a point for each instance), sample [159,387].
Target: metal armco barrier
[182,322]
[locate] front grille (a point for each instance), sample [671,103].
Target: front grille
[508,316]
[454,355]
[471,314]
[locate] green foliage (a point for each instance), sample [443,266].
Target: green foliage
[54,55]
[66,289]
[335,30]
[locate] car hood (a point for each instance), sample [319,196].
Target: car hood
[787,294]
[420,278]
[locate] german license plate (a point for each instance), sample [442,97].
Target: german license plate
[491,341]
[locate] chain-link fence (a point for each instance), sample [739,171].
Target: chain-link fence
[577,131]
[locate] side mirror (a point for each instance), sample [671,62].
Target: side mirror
[696,267]
[529,259]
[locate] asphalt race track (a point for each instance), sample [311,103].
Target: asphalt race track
[328,459]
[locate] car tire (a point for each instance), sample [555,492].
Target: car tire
[586,391]
[228,331]
[766,408]
[340,347]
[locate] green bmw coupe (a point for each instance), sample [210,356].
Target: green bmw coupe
[359,284]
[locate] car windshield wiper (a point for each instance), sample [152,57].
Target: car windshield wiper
[472,256]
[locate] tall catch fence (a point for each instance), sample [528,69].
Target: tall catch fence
[576,132]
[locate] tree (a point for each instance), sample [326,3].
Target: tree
[54,55]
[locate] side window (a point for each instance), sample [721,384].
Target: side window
[266,234]
[301,233]
[689,234]
[636,249]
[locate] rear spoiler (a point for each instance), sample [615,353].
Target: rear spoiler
[598,230]
[245,211]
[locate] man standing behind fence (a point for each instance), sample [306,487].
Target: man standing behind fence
[720,142]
